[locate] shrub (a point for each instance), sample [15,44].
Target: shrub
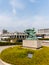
[9,43]
[43,38]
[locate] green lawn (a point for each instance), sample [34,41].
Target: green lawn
[18,56]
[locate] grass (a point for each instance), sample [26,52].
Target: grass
[18,56]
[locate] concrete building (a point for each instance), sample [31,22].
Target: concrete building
[4,35]
[44,33]
[11,35]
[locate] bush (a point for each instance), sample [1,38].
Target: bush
[43,38]
[9,43]
[18,56]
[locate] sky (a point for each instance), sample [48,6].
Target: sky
[18,15]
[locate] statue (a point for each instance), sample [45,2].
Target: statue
[31,41]
[31,34]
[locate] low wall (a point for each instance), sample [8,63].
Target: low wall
[45,42]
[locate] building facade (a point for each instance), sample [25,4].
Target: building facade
[15,35]
[44,33]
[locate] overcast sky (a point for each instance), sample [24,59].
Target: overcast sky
[17,15]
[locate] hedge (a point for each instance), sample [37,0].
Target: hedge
[9,43]
[43,38]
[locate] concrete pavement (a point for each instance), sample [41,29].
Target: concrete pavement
[1,49]
[1,63]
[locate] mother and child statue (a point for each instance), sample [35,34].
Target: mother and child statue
[31,34]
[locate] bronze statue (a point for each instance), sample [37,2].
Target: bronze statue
[31,34]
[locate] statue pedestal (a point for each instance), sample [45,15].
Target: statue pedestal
[31,43]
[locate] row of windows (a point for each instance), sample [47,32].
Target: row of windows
[43,31]
[18,36]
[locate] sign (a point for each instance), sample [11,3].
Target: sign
[30,55]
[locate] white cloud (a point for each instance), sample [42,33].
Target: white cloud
[21,24]
[4,20]
[16,4]
[36,22]
[9,21]
[19,4]
[41,22]
[14,11]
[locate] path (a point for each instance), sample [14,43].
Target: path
[2,48]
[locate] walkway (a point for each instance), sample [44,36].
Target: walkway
[2,48]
